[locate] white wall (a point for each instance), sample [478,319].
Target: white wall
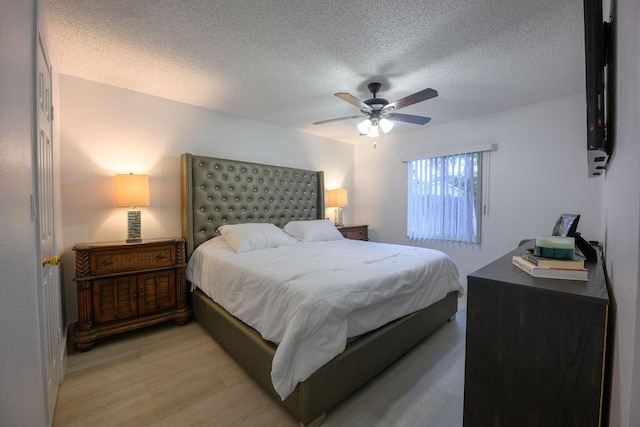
[538,171]
[105,130]
[22,388]
[622,217]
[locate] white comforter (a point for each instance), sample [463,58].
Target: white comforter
[310,297]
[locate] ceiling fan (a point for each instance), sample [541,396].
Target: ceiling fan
[379,113]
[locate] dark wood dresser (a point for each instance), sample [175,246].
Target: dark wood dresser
[355,232]
[125,286]
[535,348]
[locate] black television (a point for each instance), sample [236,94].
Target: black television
[596,43]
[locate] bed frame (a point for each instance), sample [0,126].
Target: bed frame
[219,191]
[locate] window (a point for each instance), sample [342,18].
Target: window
[444,198]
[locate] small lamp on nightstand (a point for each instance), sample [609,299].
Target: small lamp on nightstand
[132,191]
[337,199]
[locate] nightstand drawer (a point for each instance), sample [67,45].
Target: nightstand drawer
[355,232]
[131,259]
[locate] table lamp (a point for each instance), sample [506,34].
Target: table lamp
[337,199]
[132,191]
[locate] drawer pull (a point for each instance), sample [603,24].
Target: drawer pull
[162,256]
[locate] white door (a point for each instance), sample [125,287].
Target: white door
[49,294]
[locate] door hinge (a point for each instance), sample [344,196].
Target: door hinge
[34,211]
[52,112]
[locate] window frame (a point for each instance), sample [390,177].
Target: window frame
[477,181]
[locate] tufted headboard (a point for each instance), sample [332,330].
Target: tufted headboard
[216,192]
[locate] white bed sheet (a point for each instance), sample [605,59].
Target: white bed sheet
[310,297]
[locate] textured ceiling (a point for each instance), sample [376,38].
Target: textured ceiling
[280,62]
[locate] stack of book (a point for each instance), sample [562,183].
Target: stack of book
[551,268]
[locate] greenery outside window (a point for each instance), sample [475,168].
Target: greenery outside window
[444,198]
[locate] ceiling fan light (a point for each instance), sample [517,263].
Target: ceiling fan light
[385,125]
[373,132]
[364,126]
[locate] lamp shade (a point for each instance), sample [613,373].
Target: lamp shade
[132,190]
[373,131]
[385,124]
[337,198]
[364,126]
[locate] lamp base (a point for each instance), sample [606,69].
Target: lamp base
[133,227]
[338,217]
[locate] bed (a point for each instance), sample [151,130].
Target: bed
[218,192]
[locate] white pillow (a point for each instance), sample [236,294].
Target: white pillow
[314,230]
[249,237]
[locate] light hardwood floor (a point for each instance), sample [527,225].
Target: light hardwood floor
[178,376]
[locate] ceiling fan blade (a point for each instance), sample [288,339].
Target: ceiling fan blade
[409,118]
[353,101]
[423,95]
[336,120]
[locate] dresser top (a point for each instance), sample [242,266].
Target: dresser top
[503,271]
[121,243]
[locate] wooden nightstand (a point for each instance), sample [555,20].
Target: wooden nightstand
[126,286]
[355,232]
